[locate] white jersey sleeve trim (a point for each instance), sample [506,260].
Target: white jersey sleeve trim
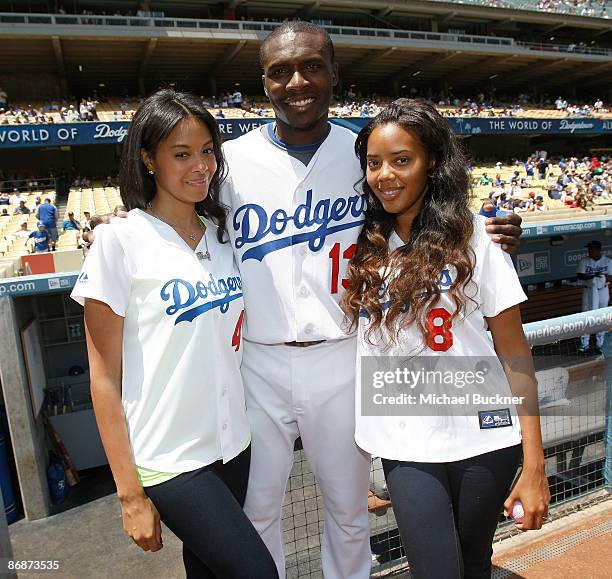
[500,288]
[104,275]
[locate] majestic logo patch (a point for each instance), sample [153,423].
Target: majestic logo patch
[494,418]
[254,224]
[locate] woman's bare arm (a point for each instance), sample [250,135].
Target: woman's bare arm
[515,355]
[104,332]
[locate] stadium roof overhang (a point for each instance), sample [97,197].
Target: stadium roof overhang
[116,56]
[383,9]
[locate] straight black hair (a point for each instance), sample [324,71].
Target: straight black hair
[154,120]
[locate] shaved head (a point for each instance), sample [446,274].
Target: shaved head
[292,28]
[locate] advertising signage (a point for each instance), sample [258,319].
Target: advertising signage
[75,134]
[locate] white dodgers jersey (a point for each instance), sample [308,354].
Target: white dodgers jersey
[416,429]
[293,229]
[600,268]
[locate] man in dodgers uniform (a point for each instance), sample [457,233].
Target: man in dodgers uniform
[295,214]
[595,273]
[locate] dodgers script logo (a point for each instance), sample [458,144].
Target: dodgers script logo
[184,295]
[445,282]
[254,224]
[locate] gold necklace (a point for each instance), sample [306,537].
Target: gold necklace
[200,255]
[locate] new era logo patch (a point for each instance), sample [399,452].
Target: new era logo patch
[494,418]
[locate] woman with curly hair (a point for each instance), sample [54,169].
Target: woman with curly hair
[425,283]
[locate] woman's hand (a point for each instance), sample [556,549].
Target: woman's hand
[141,522]
[533,492]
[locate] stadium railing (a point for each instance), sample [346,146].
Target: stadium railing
[575,393]
[249,26]
[30,184]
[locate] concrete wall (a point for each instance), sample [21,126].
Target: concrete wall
[27,434]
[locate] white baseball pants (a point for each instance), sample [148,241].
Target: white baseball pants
[308,392]
[593,299]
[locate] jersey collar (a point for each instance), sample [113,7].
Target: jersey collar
[271,128]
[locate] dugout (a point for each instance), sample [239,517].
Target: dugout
[44,374]
[548,258]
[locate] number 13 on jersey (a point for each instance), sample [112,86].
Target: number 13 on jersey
[339,259]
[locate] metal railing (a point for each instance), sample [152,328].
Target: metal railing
[564,48]
[575,396]
[237,25]
[248,26]
[28,185]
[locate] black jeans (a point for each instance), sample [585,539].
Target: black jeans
[203,508]
[447,512]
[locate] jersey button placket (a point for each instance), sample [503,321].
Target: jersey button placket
[225,436]
[297,262]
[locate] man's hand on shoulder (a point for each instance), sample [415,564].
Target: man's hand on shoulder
[506,230]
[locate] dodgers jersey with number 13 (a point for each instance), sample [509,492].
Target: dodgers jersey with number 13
[293,229]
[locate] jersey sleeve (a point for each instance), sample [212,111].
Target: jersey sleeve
[500,287]
[582,266]
[104,275]
[226,193]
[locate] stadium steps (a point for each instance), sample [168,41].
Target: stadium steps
[61,212]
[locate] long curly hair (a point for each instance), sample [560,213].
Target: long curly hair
[439,239]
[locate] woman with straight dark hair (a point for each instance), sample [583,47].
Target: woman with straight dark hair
[163,317]
[425,283]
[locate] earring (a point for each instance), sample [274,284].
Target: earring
[151,172]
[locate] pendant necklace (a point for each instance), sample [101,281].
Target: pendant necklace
[199,254]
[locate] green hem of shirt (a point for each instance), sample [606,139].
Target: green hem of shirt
[149,478]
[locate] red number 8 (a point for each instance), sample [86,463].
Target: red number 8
[439,325]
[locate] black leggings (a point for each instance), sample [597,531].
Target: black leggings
[447,512]
[203,508]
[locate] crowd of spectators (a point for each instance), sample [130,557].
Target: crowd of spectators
[15,185]
[592,8]
[580,110]
[20,182]
[349,104]
[578,183]
[141,12]
[44,236]
[517,106]
[63,112]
